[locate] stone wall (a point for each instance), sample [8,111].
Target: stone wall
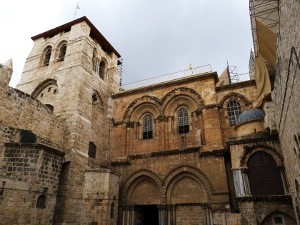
[28,171]
[286,91]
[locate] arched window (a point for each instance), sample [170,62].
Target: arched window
[147,127]
[92,150]
[51,107]
[62,52]
[264,176]
[234,110]
[102,68]
[47,56]
[41,202]
[94,59]
[183,121]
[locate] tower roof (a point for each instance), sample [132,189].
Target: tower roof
[94,33]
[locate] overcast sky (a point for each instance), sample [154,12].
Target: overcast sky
[154,37]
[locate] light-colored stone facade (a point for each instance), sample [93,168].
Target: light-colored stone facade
[77,150]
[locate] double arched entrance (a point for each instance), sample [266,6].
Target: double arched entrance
[180,198]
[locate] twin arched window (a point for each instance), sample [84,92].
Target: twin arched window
[234,110]
[183,121]
[147,127]
[183,124]
[61,54]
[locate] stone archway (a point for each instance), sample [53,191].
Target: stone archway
[141,198]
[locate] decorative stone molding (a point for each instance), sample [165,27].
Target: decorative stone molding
[234,95]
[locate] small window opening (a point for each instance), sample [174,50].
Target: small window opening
[112,210]
[278,220]
[42,95]
[55,90]
[94,98]
[49,89]
[51,107]
[147,127]
[102,67]
[41,202]
[47,56]
[62,52]
[92,150]
[234,111]
[183,121]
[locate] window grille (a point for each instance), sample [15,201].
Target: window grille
[183,121]
[234,111]
[147,127]
[41,202]
[264,176]
[92,150]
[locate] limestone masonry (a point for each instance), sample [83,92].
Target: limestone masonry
[78,148]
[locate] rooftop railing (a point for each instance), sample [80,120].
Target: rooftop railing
[167,77]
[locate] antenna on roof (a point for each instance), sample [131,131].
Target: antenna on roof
[77,7]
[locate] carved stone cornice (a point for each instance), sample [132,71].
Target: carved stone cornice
[125,162]
[129,124]
[211,106]
[171,83]
[162,118]
[219,152]
[236,85]
[281,198]
[251,138]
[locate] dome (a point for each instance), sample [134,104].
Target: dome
[251,115]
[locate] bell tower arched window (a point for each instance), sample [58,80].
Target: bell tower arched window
[102,68]
[62,52]
[47,56]
[264,176]
[183,121]
[234,110]
[147,127]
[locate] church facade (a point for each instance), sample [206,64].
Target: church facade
[77,149]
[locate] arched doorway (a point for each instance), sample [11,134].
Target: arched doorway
[141,200]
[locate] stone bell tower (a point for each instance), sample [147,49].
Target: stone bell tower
[73,70]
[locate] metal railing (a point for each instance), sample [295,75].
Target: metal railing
[237,78]
[167,77]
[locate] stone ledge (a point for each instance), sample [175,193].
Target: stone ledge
[251,138]
[34,145]
[285,198]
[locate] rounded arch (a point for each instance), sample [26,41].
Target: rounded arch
[185,96]
[180,101]
[136,181]
[234,96]
[190,172]
[103,65]
[46,55]
[142,109]
[269,211]
[42,86]
[61,50]
[134,105]
[249,151]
